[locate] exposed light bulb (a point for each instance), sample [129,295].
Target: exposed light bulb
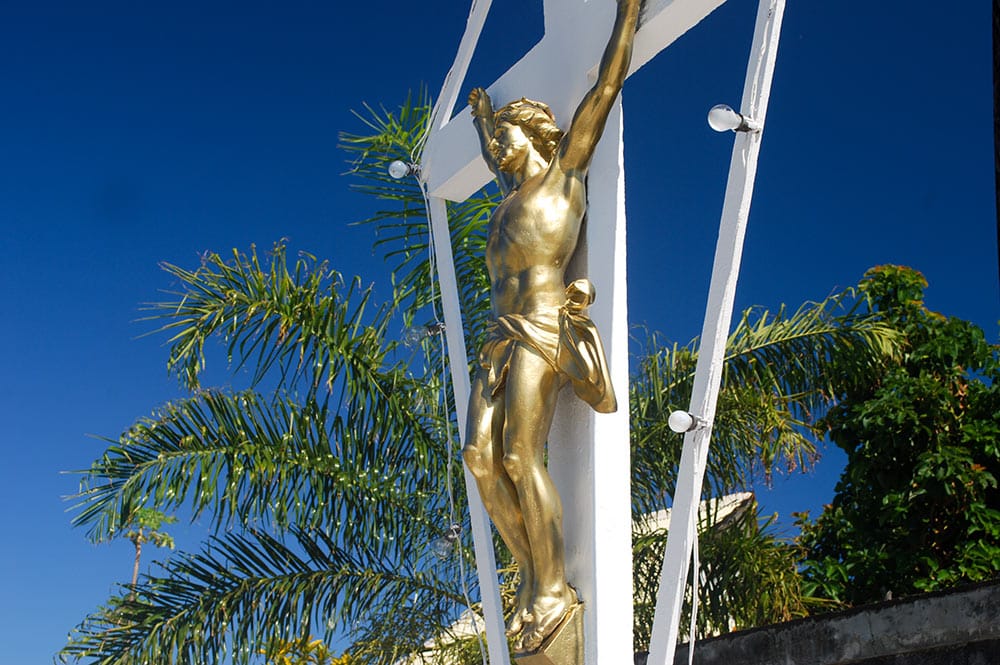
[722,118]
[442,546]
[399,169]
[414,335]
[682,421]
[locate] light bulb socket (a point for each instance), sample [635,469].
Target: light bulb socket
[748,124]
[444,545]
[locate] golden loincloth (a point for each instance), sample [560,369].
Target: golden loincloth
[565,337]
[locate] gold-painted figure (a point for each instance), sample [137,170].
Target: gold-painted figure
[541,337]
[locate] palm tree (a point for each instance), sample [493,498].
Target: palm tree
[324,478]
[781,372]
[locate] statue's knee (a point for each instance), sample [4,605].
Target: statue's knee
[514,465]
[475,460]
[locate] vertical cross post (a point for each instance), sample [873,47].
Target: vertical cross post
[588,451]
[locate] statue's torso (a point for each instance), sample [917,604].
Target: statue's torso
[531,237]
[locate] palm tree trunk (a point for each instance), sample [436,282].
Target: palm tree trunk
[135,566]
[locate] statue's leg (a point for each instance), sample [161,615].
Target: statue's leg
[532,389]
[483,455]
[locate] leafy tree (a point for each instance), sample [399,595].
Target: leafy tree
[305,652]
[324,478]
[917,507]
[144,527]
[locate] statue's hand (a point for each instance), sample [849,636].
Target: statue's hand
[480,102]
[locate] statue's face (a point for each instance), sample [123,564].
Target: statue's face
[510,146]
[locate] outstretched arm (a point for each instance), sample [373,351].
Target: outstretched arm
[578,145]
[482,117]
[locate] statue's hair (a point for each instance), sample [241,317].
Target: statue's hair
[536,120]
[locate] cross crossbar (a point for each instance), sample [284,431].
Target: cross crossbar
[452,166]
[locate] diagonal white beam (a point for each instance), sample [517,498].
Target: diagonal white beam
[718,316]
[482,537]
[452,86]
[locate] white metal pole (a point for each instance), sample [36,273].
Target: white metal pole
[482,538]
[708,373]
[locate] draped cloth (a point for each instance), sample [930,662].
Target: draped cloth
[565,337]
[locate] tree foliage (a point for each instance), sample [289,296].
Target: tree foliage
[780,376]
[305,652]
[145,526]
[323,477]
[917,507]
[327,486]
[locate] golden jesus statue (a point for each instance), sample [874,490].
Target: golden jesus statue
[540,336]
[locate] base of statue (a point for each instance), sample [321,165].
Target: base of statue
[563,647]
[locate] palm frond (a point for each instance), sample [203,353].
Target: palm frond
[401,226]
[780,374]
[810,355]
[243,591]
[293,320]
[242,459]
[747,576]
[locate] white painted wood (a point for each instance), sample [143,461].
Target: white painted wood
[588,451]
[452,86]
[557,71]
[482,537]
[718,316]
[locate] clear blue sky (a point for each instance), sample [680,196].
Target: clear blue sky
[135,133]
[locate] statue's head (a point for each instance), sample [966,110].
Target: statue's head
[536,121]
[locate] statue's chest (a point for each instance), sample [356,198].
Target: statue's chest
[533,219]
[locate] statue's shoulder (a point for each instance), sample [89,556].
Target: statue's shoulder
[566,181]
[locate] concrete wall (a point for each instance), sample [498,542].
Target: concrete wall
[960,627]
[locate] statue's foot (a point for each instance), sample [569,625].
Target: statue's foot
[522,609]
[547,613]
[521,618]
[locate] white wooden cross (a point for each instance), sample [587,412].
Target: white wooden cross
[559,70]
